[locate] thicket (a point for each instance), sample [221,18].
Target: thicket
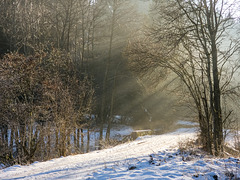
[44,103]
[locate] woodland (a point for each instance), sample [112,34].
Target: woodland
[69,67]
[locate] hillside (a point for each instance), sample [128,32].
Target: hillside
[148,157]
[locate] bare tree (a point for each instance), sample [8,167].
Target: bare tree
[186,37]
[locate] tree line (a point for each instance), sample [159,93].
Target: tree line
[59,70]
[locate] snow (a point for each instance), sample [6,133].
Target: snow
[148,157]
[233,139]
[1,166]
[187,123]
[118,132]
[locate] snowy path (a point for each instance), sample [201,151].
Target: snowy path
[149,157]
[79,166]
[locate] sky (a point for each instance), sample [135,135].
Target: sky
[235,7]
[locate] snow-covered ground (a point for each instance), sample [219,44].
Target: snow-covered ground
[148,157]
[187,123]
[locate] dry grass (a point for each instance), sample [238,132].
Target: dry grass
[190,146]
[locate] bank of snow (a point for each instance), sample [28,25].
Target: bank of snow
[148,157]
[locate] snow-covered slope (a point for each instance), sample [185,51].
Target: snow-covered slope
[130,161]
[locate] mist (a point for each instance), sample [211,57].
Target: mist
[66,75]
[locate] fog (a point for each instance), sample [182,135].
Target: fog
[65,73]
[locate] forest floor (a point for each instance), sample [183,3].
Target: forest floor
[167,156]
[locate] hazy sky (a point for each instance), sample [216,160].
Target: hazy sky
[235,7]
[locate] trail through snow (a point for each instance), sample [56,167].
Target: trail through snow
[148,157]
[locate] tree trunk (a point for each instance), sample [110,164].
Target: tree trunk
[217,115]
[57,140]
[82,141]
[103,107]
[78,137]
[88,140]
